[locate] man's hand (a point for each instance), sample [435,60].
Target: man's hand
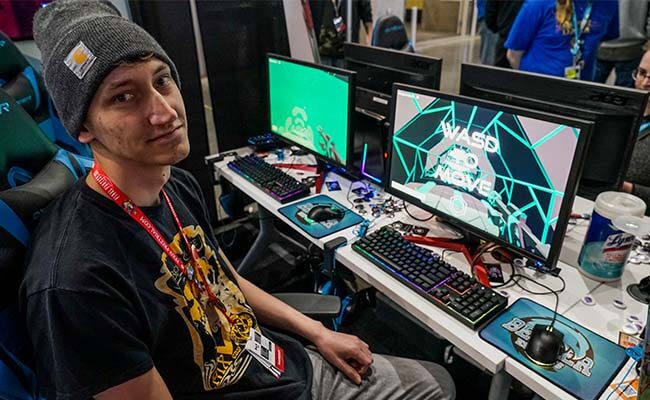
[346,352]
[627,187]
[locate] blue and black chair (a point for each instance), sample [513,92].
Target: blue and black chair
[390,32]
[33,171]
[20,80]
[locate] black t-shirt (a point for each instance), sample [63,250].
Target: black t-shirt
[104,304]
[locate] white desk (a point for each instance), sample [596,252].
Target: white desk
[465,339]
[602,317]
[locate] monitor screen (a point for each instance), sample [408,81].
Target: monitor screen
[615,111]
[310,106]
[503,173]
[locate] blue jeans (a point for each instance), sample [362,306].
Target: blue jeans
[332,61]
[488,43]
[623,71]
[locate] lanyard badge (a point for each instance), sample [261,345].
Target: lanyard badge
[577,42]
[339,25]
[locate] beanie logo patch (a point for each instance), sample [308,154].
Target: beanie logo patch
[79,60]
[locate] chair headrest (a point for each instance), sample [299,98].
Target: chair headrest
[22,143]
[389,32]
[12,61]
[25,88]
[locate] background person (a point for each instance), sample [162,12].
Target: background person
[330,19]
[624,54]
[638,174]
[499,17]
[543,37]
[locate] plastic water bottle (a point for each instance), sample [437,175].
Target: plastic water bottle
[606,248]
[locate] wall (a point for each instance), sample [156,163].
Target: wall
[440,15]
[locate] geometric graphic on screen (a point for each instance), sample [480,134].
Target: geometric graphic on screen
[502,173]
[309,106]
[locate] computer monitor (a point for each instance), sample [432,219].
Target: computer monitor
[310,106]
[505,174]
[615,111]
[377,69]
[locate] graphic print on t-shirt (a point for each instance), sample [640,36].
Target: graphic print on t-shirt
[219,344]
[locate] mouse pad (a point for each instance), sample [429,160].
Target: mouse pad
[297,213]
[588,362]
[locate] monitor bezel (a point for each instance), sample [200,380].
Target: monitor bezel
[384,58]
[570,190]
[582,93]
[351,109]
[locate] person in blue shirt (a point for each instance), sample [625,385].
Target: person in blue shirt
[543,34]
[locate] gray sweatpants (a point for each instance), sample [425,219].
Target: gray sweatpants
[389,378]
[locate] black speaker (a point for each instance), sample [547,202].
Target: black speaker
[170,23]
[236,36]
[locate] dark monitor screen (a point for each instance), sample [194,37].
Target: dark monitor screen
[378,68]
[506,174]
[310,106]
[615,111]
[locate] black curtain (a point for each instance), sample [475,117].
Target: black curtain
[170,23]
[236,36]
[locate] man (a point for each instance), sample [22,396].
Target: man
[488,36]
[126,293]
[499,17]
[638,173]
[330,19]
[623,54]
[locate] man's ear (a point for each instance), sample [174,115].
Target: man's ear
[85,136]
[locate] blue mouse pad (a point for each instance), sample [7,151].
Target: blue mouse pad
[588,364]
[298,213]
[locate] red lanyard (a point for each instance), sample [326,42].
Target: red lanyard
[123,201]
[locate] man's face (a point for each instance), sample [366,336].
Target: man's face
[642,74]
[137,116]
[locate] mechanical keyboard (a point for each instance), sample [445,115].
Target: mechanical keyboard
[442,284]
[277,183]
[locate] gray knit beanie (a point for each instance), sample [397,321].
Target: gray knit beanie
[81,42]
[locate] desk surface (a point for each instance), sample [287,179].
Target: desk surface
[602,318]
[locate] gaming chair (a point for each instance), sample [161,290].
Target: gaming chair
[390,32]
[22,82]
[33,171]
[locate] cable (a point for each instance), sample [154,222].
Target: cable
[290,167]
[554,292]
[347,196]
[414,217]
[442,257]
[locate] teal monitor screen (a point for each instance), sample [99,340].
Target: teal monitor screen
[310,107]
[507,174]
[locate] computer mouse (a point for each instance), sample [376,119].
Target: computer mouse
[544,345]
[322,213]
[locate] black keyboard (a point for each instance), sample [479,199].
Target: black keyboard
[280,185]
[452,290]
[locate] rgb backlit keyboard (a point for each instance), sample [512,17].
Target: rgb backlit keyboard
[277,183]
[426,273]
